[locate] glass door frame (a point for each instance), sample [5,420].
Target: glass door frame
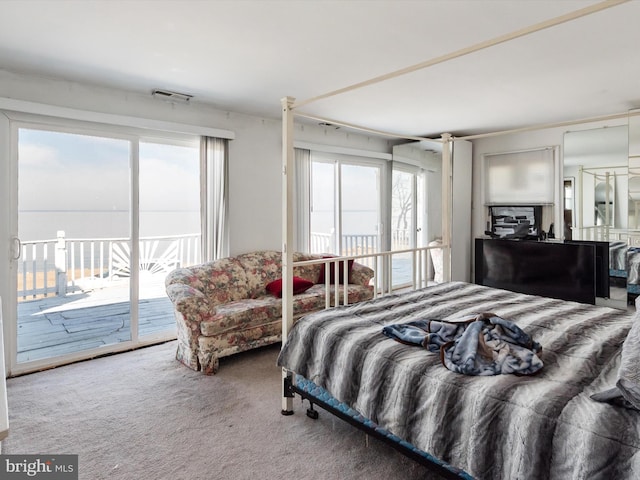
[134,137]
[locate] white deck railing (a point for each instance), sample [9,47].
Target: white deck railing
[62,265]
[56,267]
[357,244]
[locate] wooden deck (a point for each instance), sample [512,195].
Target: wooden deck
[94,318]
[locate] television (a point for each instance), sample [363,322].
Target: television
[516,221]
[566,271]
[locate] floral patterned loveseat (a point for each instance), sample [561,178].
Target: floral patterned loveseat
[223,307]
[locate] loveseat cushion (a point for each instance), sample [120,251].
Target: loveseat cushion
[355,294]
[249,313]
[253,312]
[242,314]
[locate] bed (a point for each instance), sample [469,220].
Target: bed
[544,425]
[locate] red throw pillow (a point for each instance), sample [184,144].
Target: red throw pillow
[299,285]
[332,272]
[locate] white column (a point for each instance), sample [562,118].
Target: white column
[446,207]
[287,230]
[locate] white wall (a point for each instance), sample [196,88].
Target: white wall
[255,154]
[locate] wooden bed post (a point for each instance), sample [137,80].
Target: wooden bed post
[287,236]
[446,206]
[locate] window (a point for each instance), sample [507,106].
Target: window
[525,177]
[351,212]
[345,212]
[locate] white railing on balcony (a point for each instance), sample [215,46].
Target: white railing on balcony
[357,244]
[63,265]
[400,239]
[354,244]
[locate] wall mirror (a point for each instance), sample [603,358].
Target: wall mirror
[634,176]
[596,164]
[596,198]
[633,253]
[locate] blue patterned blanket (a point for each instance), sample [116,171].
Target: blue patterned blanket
[482,344]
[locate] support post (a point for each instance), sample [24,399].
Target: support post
[447,200]
[60,261]
[287,234]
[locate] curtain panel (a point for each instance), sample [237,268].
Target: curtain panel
[214,194]
[302,199]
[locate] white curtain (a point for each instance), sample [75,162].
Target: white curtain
[302,199]
[214,193]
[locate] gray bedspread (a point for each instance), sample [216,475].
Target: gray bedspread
[542,426]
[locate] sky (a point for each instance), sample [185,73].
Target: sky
[61,171]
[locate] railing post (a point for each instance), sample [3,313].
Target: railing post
[61,264]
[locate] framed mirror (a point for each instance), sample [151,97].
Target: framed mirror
[596,198]
[633,252]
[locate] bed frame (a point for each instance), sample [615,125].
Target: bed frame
[315,395]
[291,385]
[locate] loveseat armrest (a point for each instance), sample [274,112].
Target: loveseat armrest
[190,302]
[360,274]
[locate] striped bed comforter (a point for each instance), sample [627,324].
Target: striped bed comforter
[542,426]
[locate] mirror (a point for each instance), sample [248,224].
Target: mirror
[633,254]
[634,177]
[416,206]
[596,164]
[596,197]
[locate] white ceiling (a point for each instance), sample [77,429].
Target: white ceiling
[244,56]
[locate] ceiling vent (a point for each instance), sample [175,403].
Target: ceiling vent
[169,96]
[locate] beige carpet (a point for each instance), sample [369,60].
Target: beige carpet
[142,415]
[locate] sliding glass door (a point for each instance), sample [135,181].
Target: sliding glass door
[102,219]
[74,206]
[345,206]
[169,219]
[409,215]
